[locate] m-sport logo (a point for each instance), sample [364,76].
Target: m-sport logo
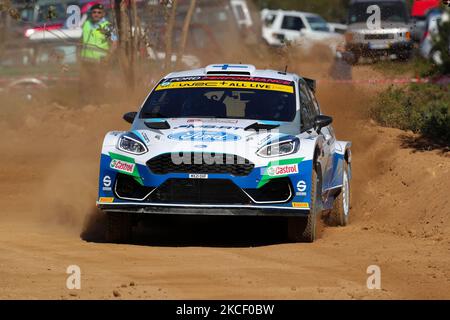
[207,136]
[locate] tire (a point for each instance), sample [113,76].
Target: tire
[341,207]
[119,227]
[307,229]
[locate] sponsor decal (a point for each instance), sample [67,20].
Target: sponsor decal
[301,186]
[206,126]
[207,136]
[146,138]
[276,171]
[280,168]
[304,205]
[225,78]
[125,165]
[269,136]
[122,166]
[226,66]
[106,199]
[107,181]
[201,146]
[198,176]
[226,85]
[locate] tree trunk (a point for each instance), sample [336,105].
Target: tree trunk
[185,32]
[169,32]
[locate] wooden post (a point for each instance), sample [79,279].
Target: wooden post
[185,32]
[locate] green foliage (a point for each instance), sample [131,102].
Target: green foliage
[331,10]
[417,66]
[422,108]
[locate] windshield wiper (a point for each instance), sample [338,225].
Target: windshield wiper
[261,126]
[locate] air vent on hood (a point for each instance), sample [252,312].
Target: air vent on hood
[230,69]
[158,125]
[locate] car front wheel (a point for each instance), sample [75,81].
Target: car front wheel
[307,229]
[341,207]
[119,228]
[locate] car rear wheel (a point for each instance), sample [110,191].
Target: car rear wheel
[341,206]
[119,227]
[307,229]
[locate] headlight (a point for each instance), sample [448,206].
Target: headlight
[131,144]
[282,148]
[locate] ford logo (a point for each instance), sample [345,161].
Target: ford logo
[207,136]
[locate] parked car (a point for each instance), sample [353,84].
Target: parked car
[433,25]
[392,38]
[302,29]
[37,16]
[419,15]
[337,27]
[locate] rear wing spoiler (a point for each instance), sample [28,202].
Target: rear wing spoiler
[312,84]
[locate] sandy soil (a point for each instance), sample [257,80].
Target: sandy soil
[48,221]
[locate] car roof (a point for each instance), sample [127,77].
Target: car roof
[293,12]
[233,70]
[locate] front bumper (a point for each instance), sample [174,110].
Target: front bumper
[143,191]
[219,210]
[366,49]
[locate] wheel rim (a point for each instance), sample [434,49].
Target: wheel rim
[345,194]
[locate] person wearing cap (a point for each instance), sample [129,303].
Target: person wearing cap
[98,35]
[98,42]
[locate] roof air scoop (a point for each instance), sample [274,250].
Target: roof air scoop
[236,69]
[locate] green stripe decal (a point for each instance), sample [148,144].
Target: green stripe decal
[279,169]
[125,165]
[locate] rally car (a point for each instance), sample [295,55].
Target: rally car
[227,140]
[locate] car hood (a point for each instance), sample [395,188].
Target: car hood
[207,136]
[385,26]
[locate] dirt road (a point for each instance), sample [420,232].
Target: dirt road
[48,180]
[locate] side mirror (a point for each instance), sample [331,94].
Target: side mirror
[322,121]
[129,116]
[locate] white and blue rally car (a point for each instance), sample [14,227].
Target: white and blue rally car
[227,140]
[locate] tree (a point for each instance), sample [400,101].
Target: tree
[169,32]
[185,31]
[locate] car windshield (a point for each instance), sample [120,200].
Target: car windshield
[317,23]
[391,11]
[173,100]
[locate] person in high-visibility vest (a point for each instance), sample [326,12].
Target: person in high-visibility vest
[98,42]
